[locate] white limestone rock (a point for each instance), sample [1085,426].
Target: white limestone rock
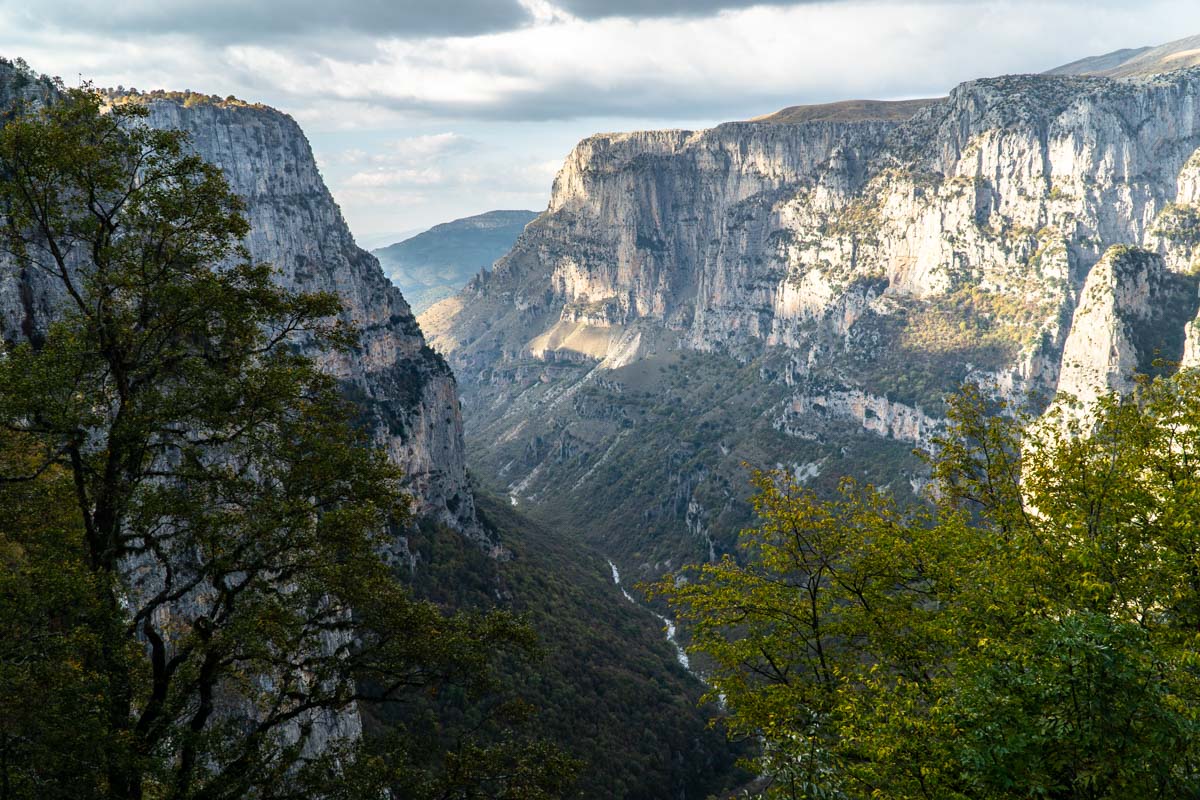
[407,390]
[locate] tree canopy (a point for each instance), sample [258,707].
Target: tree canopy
[193,600]
[1032,631]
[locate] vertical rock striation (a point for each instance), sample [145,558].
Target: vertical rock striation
[407,392]
[861,267]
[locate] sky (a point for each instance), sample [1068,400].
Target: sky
[423,111]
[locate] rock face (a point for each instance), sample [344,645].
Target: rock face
[1131,311]
[853,271]
[652,228]
[406,390]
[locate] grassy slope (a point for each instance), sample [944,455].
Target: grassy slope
[622,458]
[848,111]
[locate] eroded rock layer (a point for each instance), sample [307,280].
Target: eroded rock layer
[1034,234]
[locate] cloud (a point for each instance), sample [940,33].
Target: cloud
[739,64]
[446,161]
[599,9]
[419,148]
[407,162]
[396,94]
[390,178]
[386,200]
[226,21]
[645,9]
[536,62]
[743,63]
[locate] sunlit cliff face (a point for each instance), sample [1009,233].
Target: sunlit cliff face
[836,279]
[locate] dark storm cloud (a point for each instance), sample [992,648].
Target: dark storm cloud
[256,20]
[597,9]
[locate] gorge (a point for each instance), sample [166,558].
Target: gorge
[605,661]
[795,292]
[801,291]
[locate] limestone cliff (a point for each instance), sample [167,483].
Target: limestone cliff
[859,268]
[1131,312]
[407,392]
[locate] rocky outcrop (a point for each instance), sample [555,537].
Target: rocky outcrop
[862,268]
[878,415]
[407,392]
[405,388]
[1132,312]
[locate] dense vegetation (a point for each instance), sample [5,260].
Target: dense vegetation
[607,687]
[192,597]
[626,455]
[1029,632]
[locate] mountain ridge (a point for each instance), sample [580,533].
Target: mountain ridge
[434,264]
[834,280]
[848,111]
[1138,61]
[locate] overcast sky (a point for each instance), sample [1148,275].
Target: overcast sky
[421,111]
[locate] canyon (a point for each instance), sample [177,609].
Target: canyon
[802,291]
[605,660]
[799,291]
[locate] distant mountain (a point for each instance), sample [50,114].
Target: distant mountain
[372,241]
[848,111]
[1137,61]
[435,264]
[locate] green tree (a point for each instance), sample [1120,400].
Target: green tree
[191,526]
[1032,631]
[49,615]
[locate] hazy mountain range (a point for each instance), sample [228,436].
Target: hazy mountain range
[436,263]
